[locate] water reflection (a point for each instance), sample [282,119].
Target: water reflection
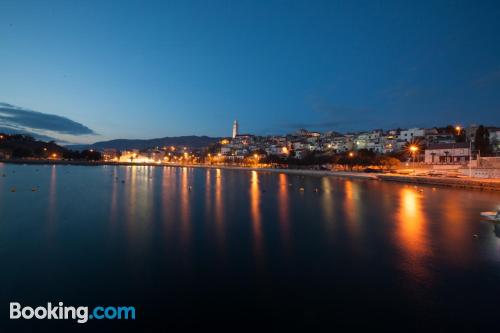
[284,208]
[169,206]
[392,244]
[496,230]
[52,200]
[167,190]
[131,192]
[454,225]
[255,211]
[184,206]
[114,189]
[327,199]
[208,192]
[2,173]
[352,207]
[411,224]
[219,207]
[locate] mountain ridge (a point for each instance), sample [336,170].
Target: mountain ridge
[192,141]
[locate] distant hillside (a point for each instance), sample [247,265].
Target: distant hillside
[122,144]
[21,146]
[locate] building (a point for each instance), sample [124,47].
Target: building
[495,138]
[235,129]
[470,132]
[435,138]
[5,153]
[110,154]
[410,134]
[447,153]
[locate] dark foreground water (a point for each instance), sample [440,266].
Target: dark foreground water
[235,250]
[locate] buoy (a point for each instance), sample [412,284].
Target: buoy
[33,189]
[13,189]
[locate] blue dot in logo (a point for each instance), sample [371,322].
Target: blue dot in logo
[91,317]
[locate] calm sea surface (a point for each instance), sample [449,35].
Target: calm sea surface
[241,249]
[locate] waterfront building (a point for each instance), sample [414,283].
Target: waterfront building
[447,153]
[494,139]
[155,155]
[5,153]
[109,154]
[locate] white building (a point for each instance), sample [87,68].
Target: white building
[341,143]
[447,153]
[235,129]
[495,138]
[410,134]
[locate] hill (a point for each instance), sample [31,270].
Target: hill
[123,144]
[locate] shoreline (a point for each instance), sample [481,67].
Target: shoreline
[463,183]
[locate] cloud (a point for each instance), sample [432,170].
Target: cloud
[9,130]
[29,120]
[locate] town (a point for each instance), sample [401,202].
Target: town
[451,150]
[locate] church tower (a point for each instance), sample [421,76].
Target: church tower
[235,129]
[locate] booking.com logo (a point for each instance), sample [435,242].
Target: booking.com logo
[81,313]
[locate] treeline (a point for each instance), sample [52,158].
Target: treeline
[87,155]
[25,146]
[362,158]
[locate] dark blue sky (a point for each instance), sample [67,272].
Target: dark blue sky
[142,69]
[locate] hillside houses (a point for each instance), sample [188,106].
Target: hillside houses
[436,145]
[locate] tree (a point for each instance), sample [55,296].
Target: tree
[388,162]
[482,141]
[21,152]
[457,132]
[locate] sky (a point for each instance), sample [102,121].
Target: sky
[85,71]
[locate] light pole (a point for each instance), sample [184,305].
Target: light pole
[470,158]
[413,150]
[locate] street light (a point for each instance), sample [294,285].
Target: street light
[413,149]
[351,154]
